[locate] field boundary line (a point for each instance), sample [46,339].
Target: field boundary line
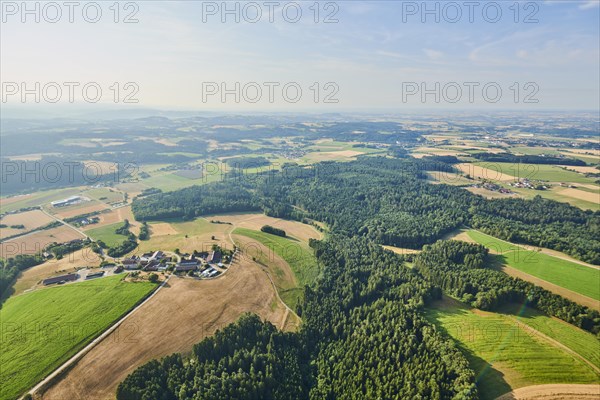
[524,247]
[554,342]
[75,358]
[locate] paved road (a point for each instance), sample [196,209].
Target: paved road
[64,223]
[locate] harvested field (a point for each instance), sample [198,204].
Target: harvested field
[162,229]
[494,173]
[30,219]
[554,392]
[172,321]
[460,234]
[583,170]
[256,221]
[585,151]
[78,209]
[189,236]
[29,278]
[581,195]
[106,218]
[282,275]
[98,168]
[36,241]
[13,199]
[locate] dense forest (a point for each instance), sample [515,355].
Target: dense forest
[363,334]
[459,269]
[194,201]
[9,270]
[362,337]
[386,200]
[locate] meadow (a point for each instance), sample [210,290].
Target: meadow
[570,275]
[105,195]
[43,328]
[107,234]
[581,342]
[295,253]
[503,354]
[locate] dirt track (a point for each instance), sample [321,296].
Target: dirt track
[554,392]
[296,229]
[183,313]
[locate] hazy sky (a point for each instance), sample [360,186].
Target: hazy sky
[378,55]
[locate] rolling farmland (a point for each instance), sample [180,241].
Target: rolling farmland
[51,324]
[503,354]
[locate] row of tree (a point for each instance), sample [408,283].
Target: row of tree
[459,269]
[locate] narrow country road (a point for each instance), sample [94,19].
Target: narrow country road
[94,342]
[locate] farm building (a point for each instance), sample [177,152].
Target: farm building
[152,256]
[185,268]
[131,263]
[66,202]
[95,275]
[152,266]
[214,257]
[61,279]
[190,265]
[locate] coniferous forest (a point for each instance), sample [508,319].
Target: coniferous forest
[363,333]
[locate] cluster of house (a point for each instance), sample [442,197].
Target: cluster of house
[206,263]
[148,262]
[86,221]
[493,187]
[527,184]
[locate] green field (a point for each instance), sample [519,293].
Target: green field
[503,354]
[551,173]
[105,195]
[42,329]
[581,342]
[297,254]
[576,277]
[107,234]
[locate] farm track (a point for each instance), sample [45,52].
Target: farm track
[554,342]
[288,310]
[57,372]
[554,392]
[181,315]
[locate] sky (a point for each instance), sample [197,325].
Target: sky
[264,56]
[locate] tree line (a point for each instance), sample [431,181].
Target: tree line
[386,200]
